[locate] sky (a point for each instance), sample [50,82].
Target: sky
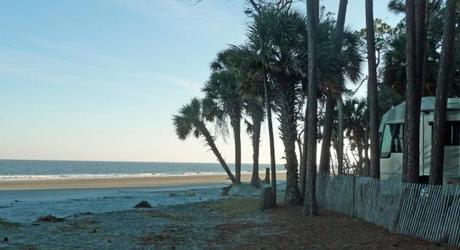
[101,79]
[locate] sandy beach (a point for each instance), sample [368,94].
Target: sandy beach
[153,181]
[232,223]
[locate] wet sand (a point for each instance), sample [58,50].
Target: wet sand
[153,181]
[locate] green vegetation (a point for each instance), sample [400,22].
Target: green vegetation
[291,59]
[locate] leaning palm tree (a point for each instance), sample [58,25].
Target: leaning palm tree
[191,121]
[221,90]
[340,60]
[284,34]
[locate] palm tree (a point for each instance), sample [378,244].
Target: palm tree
[191,121]
[258,36]
[356,127]
[283,33]
[251,75]
[221,90]
[330,100]
[340,60]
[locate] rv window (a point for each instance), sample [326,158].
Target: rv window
[453,133]
[392,140]
[385,149]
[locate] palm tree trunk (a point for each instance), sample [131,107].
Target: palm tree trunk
[340,134]
[303,160]
[444,77]
[236,125]
[288,136]
[292,186]
[372,96]
[312,107]
[257,122]
[411,164]
[270,135]
[324,162]
[210,141]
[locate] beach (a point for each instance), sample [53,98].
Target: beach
[65,197]
[230,223]
[189,212]
[154,181]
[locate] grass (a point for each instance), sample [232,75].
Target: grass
[235,206]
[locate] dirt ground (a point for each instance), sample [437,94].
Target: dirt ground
[233,223]
[288,228]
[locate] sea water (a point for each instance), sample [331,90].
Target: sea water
[28,205]
[11,170]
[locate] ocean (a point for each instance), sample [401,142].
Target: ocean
[15,205]
[11,170]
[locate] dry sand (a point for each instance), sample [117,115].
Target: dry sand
[153,181]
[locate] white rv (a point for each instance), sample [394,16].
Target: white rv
[392,139]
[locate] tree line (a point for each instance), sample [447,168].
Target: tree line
[300,67]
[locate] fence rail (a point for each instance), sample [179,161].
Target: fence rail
[425,211]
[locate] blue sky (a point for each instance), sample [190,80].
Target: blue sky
[101,79]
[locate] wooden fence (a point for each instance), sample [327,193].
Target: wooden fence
[420,210]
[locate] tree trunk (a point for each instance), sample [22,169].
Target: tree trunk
[303,160]
[325,158]
[340,25]
[312,107]
[270,135]
[324,164]
[367,161]
[236,125]
[210,141]
[411,164]
[288,129]
[372,97]
[420,42]
[255,180]
[444,77]
[340,139]
[292,195]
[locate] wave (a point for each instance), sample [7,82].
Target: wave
[105,176]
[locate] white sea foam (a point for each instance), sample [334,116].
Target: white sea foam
[103,176]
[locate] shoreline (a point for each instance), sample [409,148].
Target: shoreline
[124,182]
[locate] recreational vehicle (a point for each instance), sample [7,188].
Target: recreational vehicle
[392,139]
